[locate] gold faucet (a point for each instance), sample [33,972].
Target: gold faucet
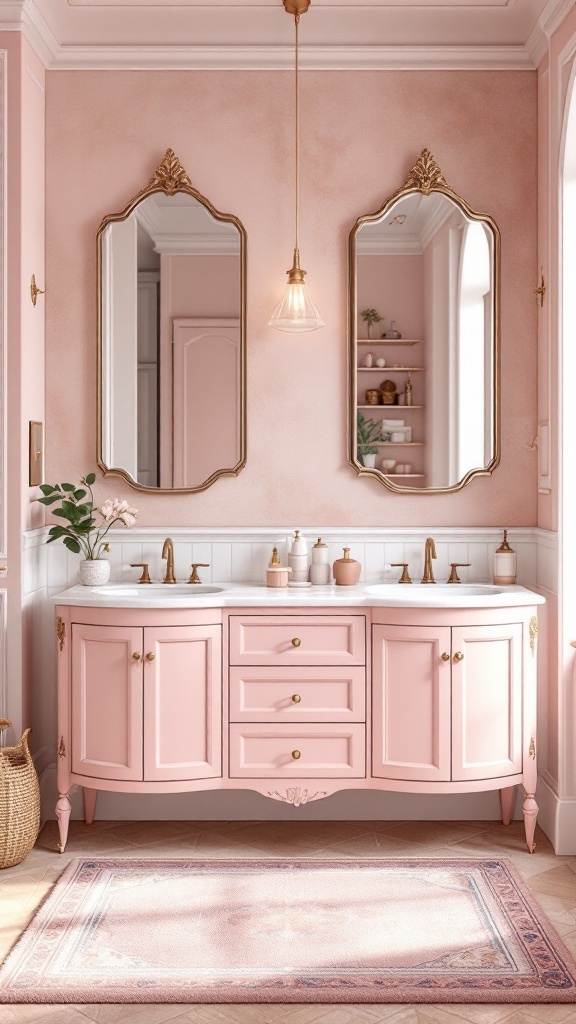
[168,554]
[429,554]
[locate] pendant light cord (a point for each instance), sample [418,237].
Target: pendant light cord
[297,140]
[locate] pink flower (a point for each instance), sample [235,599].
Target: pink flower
[114,509]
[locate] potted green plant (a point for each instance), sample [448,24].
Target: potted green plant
[82,534]
[367,432]
[370,317]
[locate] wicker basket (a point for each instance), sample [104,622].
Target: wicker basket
[19,801]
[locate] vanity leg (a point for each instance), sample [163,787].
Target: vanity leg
[507,803]
[90,797]
[530,810]
[63,812]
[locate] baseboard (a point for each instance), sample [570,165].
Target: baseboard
[557,818]
[244,805]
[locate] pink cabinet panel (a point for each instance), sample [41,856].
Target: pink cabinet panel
[281,694]
[107,702]
[411,702]
[298,751]
[297,640]
[182,702]
[486,701]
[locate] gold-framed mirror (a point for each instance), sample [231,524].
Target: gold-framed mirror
[171,338]
[424,338]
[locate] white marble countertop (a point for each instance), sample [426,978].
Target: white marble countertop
[228,595]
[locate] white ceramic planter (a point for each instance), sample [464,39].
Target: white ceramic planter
[369,461]
[94,572]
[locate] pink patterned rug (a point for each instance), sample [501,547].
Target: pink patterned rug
[387,930]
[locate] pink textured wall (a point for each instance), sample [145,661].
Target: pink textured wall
[361,133]
[204,286]
[394,286]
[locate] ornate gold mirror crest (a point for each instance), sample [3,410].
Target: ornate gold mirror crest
[424,338]
[171,338]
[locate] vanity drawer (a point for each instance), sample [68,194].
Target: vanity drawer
[297,639]
[267,694]
[325,751]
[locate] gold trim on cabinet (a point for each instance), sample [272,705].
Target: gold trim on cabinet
[532,749]
[425,177]
[540,292]
[170,177]
[533,631]
[61,748]
[60,631]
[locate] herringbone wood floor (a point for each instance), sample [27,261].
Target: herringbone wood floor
[553,879]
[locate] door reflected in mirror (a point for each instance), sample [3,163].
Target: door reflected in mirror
[171,338]
[424,378]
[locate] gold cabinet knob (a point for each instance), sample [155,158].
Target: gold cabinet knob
[136,656]
[458,656]
[150,656]
[296,698]
[296,642]
[296,754]
[445,657]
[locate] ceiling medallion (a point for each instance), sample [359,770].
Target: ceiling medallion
[426,174]
[170,176]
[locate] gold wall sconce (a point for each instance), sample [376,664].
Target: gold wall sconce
[35,291]
[540,292]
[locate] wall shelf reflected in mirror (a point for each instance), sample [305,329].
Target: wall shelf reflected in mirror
[171,338]
[424,278]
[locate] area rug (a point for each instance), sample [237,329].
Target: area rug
[386,930]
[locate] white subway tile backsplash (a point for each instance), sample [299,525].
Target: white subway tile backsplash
[242,555]
[221,560]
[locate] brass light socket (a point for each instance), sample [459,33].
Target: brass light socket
[296,7]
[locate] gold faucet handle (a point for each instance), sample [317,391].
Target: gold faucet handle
[145,577]
[404,578]
[454,577]
[194,577]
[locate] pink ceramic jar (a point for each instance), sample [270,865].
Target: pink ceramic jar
[346,570]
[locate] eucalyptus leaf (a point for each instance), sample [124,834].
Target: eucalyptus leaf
[90,479]
[46,489]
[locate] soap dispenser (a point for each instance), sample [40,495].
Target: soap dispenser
[298,559]
[346,570]
[320,567]
[505,563]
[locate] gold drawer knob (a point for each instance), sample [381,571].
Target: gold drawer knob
[296,754]
[445,657]
[136,656]
[150,656]
[296,698]
[296,642]
[458,656]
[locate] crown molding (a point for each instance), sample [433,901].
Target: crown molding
[549,21]
[273,58]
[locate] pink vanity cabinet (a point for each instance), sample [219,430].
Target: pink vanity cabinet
[140,702]
[297,703]
[454,703]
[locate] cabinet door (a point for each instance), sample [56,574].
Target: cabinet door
[486,701]
[411,702]
[107,702]
[182,703]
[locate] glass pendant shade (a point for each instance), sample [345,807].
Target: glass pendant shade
[296,311]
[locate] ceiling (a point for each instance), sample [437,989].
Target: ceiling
[257,34]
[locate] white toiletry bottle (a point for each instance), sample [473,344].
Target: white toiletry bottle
[298,559]
[320,567]
[505,563]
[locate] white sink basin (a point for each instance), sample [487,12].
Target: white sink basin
[432,592]
[145,591]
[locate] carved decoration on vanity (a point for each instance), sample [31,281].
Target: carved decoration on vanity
[533,630]
[431,266]
[296,796]
[171,338]
[60,632]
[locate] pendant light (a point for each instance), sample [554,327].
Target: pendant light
[296,311]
